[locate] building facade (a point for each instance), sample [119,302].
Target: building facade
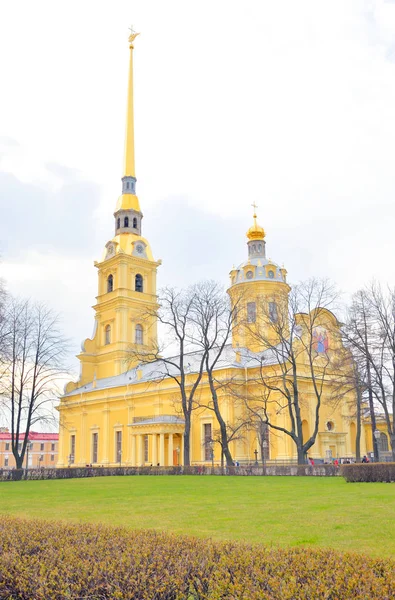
[121,413]
[42,450]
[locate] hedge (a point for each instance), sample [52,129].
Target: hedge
[257,470]
[56,561]
[384,472]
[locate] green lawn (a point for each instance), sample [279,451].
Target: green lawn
[285,511]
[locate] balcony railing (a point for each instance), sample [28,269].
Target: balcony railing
[158,419]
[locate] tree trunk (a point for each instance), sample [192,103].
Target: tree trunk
[187,438]
[358,432]
[224,441]
[372,413]
[393,446]
[18,461]
[301,455]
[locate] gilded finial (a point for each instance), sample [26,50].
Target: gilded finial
[132,36]
[256,232]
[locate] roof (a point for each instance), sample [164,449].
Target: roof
[258,272]
[33,435]
[159,369]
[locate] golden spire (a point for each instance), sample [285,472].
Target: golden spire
[129,200]
[129,168]
[256,232]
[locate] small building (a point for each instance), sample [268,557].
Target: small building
[42,450]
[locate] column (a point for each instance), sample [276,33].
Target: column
[62,431]
[154,449]
[182,449]
[162,449]
[83,460]
[104,443]
[170,450]
[133,450]
[140,450]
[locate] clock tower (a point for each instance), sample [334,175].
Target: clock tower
[126,304]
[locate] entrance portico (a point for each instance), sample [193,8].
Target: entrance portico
[157,440]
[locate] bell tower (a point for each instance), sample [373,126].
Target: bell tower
[259,294]
[126,304]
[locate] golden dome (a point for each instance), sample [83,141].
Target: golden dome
[256,232]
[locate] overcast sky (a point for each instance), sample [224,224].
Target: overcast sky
[287,104]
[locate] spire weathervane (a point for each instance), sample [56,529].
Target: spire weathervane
[133,34]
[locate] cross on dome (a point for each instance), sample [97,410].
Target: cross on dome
[256,232]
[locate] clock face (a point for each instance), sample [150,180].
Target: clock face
[250,275]
[139,248]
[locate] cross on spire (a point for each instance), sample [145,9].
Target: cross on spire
[255,207]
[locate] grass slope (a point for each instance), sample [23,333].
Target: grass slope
[283,511]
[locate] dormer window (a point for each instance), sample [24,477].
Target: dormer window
[271,274]
[110,283]
[138,283]
[134,223]
[126,222]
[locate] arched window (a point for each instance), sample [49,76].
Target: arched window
[110,283]
[138,337]
[126,222]
[273,316]
[135,223]
[383,442]
[251,312]
[107,335]
[118,223]
[138,283]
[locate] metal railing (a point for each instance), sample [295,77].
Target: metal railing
[159,419]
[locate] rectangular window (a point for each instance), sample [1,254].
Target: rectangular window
[95,440]
[7,446]
[19,446]
[251,312]
[146,448]
[41,447]
[52,457]
[6,461]
[41,458]
[273,312]
[208,446]
[52,447]
[118,446]
[72,449]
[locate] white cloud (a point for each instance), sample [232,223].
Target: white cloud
[289,104]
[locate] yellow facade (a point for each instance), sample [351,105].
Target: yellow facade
[120,413]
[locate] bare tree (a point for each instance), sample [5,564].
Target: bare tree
[297,337]
[359,336]
[33,366]
[213,318]
[187,366]
[371,333]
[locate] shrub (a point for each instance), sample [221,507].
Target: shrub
[369,472]
[54,561]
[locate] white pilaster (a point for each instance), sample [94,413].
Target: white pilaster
[170,450]
[154,449]
[162,449]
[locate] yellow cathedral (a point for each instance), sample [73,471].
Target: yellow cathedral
[119,413]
